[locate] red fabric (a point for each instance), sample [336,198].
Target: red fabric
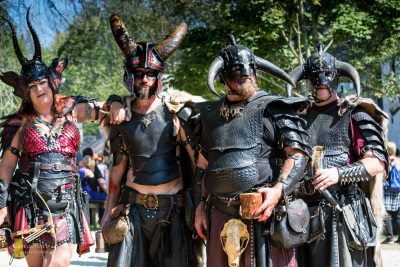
[87,237]
[20,221]
[358,141]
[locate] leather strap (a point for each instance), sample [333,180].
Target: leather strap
[230,207]
[32,166]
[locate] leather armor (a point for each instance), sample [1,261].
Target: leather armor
[232,147]
[151,144]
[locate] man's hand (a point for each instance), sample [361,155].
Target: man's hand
[200,220]
[324,178]
[117,113]
[271,197]
[4,216]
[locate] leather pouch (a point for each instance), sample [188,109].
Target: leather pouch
[360,224]
[290,224]
[317,223]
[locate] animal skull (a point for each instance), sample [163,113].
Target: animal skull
[234,239]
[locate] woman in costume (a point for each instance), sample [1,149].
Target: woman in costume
[42,198]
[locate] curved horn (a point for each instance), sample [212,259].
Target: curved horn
[22,60]
[122,36]
[296,75]
[169,45]
[36,42]
[345,69]
[266,66]
[213,71]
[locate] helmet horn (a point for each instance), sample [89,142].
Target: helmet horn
[36,42]
[171,43]
[268,67]
[122,36]
[345,69]
[22,60]
[297,74]
[213,71]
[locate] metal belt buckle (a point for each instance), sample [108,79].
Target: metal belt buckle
[56,167]
[150,201]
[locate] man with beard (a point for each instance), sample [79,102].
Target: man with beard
[350,131]
[147,144]
[249,141]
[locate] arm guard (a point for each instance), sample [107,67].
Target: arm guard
[3,193]
[116,145]
[295,175]
[114,98]
[83,99]
[353,173]
[188,119]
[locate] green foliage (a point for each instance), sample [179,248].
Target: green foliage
[362,33]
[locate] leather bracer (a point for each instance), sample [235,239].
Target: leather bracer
[294,176]
[353,173]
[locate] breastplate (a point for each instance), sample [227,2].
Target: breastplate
[326,128]
[232,146]
[65,140]
[151,145]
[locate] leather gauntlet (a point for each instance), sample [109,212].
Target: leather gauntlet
[295,175]
[3,193]
[353,173]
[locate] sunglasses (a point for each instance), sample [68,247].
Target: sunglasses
[149,74]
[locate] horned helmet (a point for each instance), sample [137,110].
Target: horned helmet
[322,68]
[32,69]
[236,54]
[144,54]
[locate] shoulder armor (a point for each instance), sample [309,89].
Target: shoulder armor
[372,130]
[290,125]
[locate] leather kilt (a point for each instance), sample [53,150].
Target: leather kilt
[175,250]
[61,194]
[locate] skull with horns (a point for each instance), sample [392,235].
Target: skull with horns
[33,69]
[323,69]
[146,55]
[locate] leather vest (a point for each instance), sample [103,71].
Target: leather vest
[232,147]
[151,145]
[326,128]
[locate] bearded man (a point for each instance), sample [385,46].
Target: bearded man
[147,144]
[249,141]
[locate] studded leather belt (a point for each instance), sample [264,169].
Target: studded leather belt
[151,201]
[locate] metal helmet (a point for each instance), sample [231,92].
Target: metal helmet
[234,54]
[322,68]
[33,69]
[144,54]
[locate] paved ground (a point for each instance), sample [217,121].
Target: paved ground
[391,257]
